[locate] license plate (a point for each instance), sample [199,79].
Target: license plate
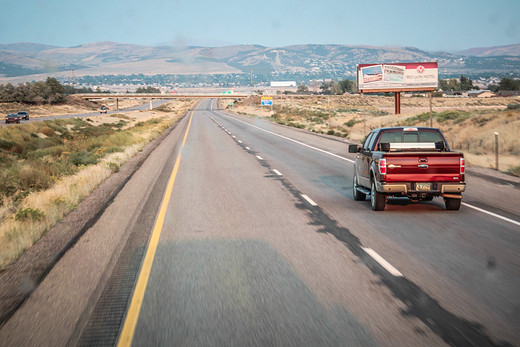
[422,186]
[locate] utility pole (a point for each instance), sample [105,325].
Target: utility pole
[496,150]
[72,81]
[251,89]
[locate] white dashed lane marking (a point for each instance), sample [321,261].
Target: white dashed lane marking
[309,200]
[388,267]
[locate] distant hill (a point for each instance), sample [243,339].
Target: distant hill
[25,47]
[30,61]
[510,50]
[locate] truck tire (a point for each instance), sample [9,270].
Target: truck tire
[453,204]
[358,196]
[377,200]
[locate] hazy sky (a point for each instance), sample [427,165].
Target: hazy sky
[429,25]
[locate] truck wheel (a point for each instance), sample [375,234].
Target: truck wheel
[377,200]
[452,204]
[358,196]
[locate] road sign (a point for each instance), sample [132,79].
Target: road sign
[267,101]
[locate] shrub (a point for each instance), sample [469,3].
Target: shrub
[29,213]
[352,122]
[34,175]
[83,158]
[379,113]
[48,131]
[348,110]
[455,116]
[114,167]
[515,171]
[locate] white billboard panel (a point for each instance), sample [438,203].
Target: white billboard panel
[398,76]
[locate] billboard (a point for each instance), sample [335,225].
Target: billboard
[398,77]
[267,101]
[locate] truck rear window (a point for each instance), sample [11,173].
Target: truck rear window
[410,136]
[405,140]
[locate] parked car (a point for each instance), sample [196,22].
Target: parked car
[408,162]
[103,109]
[12,118]
[23,115]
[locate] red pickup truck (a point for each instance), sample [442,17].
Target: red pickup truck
[411,162]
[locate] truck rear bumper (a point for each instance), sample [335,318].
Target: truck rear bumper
[405,188]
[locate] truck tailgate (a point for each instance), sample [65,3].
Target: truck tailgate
[424,167]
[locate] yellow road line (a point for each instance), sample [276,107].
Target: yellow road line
[127,334]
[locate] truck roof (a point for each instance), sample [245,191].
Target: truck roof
[409,128]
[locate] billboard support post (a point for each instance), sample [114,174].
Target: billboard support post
[397,102]
[431,109]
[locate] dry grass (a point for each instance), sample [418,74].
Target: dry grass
[468,123]
[25,221]
[73,106]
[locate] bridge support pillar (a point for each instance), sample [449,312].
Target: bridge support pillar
[151,104]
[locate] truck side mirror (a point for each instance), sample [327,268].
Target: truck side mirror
[353,148]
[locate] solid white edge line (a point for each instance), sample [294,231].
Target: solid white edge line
[259,157]
[492,214]
[248,148]
[388,267]
[309,200]
[277,172]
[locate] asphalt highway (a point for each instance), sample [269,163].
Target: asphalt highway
[238,232]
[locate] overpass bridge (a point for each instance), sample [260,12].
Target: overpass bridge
[155,96]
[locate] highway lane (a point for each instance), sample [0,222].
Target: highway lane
[468,260]
[242,260]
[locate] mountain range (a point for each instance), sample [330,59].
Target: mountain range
[30,61]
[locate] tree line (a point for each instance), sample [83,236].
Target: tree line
[50,91]
[453,84]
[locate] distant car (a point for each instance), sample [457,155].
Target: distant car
[103,109]
[23,115]
[12,118]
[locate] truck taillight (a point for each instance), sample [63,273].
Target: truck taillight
[462,166]
[382,166]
